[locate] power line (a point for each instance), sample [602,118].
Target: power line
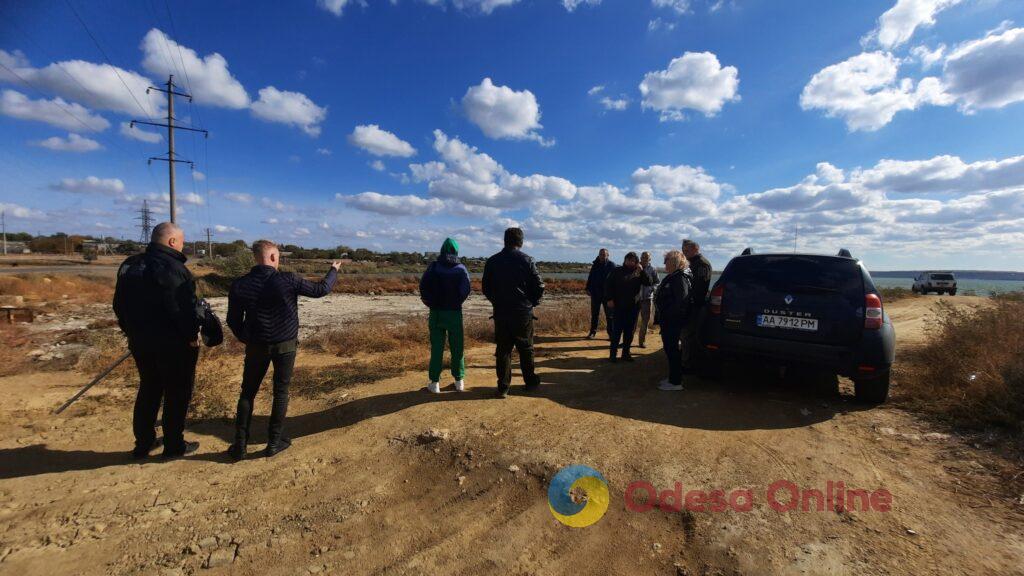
[107,58]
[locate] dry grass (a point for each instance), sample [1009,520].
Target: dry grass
[890,295]
[971,372]
[40,288]
[375,352]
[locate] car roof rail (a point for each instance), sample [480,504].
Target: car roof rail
[843,252]
[747,251]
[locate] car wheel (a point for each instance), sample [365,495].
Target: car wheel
[952,292]
[872,390]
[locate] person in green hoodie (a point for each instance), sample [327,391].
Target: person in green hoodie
[443,289]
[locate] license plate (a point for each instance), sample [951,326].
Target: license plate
[790,322]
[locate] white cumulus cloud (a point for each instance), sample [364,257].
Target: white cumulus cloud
[73,143]
[897,25]
[208,77]
[693,81]
[56,112]
[137,133]
[380,142]
[90,185]
[292,108]
[503,113]
[404,205]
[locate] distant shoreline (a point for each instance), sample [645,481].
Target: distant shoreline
[965,274]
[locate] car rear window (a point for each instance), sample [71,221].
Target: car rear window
[942,276]
[799,273]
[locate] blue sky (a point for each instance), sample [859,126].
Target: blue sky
[888,127]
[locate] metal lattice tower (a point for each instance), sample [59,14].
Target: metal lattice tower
[145,219]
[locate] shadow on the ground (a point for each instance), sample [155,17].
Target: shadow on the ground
[623,389]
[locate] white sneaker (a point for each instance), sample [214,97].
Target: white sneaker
[669,387]
[434,387]
[460,386]
[664,382]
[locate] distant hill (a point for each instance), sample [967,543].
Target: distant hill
[965,274]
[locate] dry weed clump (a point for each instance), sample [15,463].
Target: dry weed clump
[42,288]
[971,373]
[895,293]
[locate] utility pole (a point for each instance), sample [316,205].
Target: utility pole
[170,125]
[209,245]
[145,219]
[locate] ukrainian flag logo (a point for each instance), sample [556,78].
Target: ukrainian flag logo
[591,496]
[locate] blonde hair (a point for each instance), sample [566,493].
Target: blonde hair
[677,257]
[261,247]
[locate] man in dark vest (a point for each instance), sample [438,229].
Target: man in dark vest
[263,313]
[156,308]
[513,285]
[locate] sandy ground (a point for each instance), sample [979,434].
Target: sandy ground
[363,492]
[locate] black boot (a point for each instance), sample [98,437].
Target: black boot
[277,446]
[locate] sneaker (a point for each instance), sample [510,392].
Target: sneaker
[502,393]
[613,359]
[591,335]
[141,453]
[664,382]
[460,386]
[628,358]
[277,447]
[189,448]
[434,387]
[669,387]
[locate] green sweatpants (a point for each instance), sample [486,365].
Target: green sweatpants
[446,324]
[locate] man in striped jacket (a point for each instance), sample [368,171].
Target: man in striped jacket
[263,313]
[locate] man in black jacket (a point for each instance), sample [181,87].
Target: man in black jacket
[673,308]
[622,292]
[700,272]
[263,313]
[156,308]
[513,285]
[599,272]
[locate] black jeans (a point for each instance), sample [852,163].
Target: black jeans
[514,330]
[596,303]
[623,326]
[167,373]
[258,358]
[670,332]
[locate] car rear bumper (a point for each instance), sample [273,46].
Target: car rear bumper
[871,356]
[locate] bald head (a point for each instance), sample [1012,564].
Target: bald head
[169,234]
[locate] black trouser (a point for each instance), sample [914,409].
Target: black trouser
[623,326]
[258,358]
[514,330]
[690,354]
[167,372]
[670,333]
[596,303]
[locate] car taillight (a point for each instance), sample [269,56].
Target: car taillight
[715,301]
[872,312]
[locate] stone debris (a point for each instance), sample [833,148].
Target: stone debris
[433,435]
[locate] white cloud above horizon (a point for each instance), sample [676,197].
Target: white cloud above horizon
[693,81]
[503,113]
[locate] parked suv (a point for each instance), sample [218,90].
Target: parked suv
[802,310]
[937,282]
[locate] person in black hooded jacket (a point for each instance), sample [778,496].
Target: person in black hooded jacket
[443,289]
[622,292]
[599,272]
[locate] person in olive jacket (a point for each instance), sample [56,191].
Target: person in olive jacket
[622,293]
[673,308]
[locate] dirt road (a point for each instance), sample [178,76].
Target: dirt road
[365,490]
